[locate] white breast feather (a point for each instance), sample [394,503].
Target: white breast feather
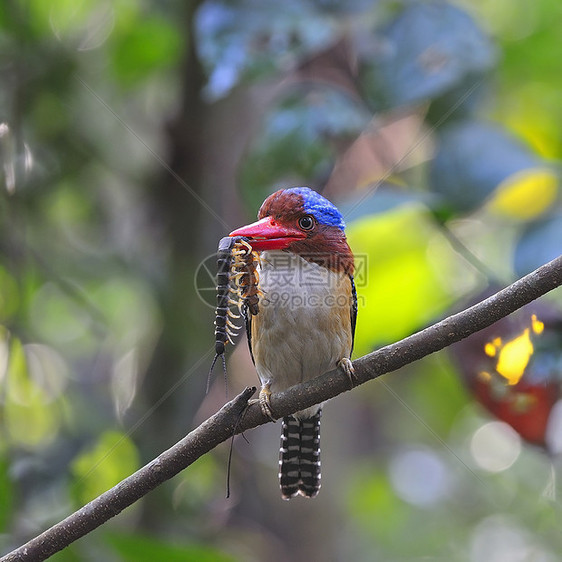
[303,327]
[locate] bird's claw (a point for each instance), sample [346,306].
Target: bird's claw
[264,401]
[346,366]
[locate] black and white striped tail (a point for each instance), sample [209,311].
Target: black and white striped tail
[299,457]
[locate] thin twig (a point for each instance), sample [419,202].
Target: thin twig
[223,424]
[434,338]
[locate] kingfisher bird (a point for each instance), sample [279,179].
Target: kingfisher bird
[306,317]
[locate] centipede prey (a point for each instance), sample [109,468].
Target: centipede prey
[245,276]
[237,286]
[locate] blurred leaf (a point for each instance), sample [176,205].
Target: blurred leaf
[526,194]
[472,159]
[4,357]
[17,381]
[75,213]
[31,418]
[532,106]
[464,101]
[124,382]
[286,161]
[69,206]
[385,197]
[400,285]
[540,243]
[111,459]
[432,379]
[373,504]
[8,158]
[149,45]
[428,50]
[69,554]
[296,144]
[129,308]
[61,16]
[140,548]
[199,485]
[50,114]
[56,316]
[9,295]
[47,369]
[533,110]
[6,495]
[533,50]
[382,516]
[237,39]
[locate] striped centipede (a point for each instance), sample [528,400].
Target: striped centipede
[245,276]
[237,277]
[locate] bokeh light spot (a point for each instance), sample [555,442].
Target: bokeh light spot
[484,375]
[538,326]
[514,358]
[553,435]
[496,540]
[495,446]
[419,477]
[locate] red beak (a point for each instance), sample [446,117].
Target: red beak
[267,234]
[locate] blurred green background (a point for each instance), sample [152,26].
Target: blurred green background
[134,135]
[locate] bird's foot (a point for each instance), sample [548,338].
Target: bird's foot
[346,366]
[264,401]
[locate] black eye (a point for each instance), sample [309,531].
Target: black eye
[306,222]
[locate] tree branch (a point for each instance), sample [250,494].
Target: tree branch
[235,418]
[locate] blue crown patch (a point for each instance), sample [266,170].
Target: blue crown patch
[323,210]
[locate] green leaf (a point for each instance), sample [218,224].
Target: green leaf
[9,295]
[149,45]
[69,554]
[432,378]
[401,285]
[6,495]
[373,504]
[200,484]
[105,464]
[31,418]
[137,548]
[129,308]
[56,316]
